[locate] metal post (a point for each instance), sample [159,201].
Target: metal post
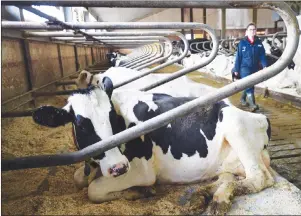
[92,56]
[191,20]
[182,19]
[76,58]
[60,62]
[254,16]
[28,66]
[223,19]
[204,20]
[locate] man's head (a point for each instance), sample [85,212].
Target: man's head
[251,30]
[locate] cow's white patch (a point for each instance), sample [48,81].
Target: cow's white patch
[96,106]
[169,125]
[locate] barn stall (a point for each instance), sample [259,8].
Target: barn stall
[51,190]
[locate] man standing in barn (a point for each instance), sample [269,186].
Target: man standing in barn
[250,52]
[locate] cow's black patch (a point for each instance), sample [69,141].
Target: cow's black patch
[220,116]
[85,134]
[138,148]
[183,134]
[108,86]
[277,52]
[212,114]
[51,116]
[84,91]
[269,132]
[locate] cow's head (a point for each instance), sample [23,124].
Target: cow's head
[93,117]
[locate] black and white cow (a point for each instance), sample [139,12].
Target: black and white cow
[214,140]
[274,51]
[115,59]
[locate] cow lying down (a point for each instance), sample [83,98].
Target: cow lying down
[216,141]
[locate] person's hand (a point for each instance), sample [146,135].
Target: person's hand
[235,76]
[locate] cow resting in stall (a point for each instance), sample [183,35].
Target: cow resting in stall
[216,140]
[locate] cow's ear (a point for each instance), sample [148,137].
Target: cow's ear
[81,79]
[51,116]
[107,86]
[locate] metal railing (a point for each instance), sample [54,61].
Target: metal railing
[162,120]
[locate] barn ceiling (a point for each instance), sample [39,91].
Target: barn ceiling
[122,14]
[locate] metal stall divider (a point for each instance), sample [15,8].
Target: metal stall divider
[159,52]
[162,120]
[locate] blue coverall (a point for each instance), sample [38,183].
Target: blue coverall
[247,60]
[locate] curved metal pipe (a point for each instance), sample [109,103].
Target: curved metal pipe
[159,66]
[159,59]
[150,54]
[184,71]
[139,57]
[158,53]
[196,45]
[162,120]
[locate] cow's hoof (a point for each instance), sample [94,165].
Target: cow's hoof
[216,208]
[198,200]
[80,180]
[197,204]
[145,192]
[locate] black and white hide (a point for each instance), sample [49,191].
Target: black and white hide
[216,140]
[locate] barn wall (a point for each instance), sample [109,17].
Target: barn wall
[89,55]
[68,59]
[81,55]
[13,76]
[47,62]
[235,18]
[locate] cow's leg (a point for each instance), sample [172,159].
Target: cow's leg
[257,175]
[85,175]
[104,189]
[201,197]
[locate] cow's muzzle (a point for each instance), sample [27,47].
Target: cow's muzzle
[118,169]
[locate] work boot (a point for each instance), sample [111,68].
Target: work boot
[243,101]
[253,106]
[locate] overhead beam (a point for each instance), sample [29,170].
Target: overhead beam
[143,4]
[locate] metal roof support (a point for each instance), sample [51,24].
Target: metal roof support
[54,20]
[143,4]
[162,120]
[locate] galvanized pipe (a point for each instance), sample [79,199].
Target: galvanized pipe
[150,54]
[184,71]
[154,60]
[159,59]
[138,55]
[110,38]
[104,25]
[162,120]
[162,65]
[144,4]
